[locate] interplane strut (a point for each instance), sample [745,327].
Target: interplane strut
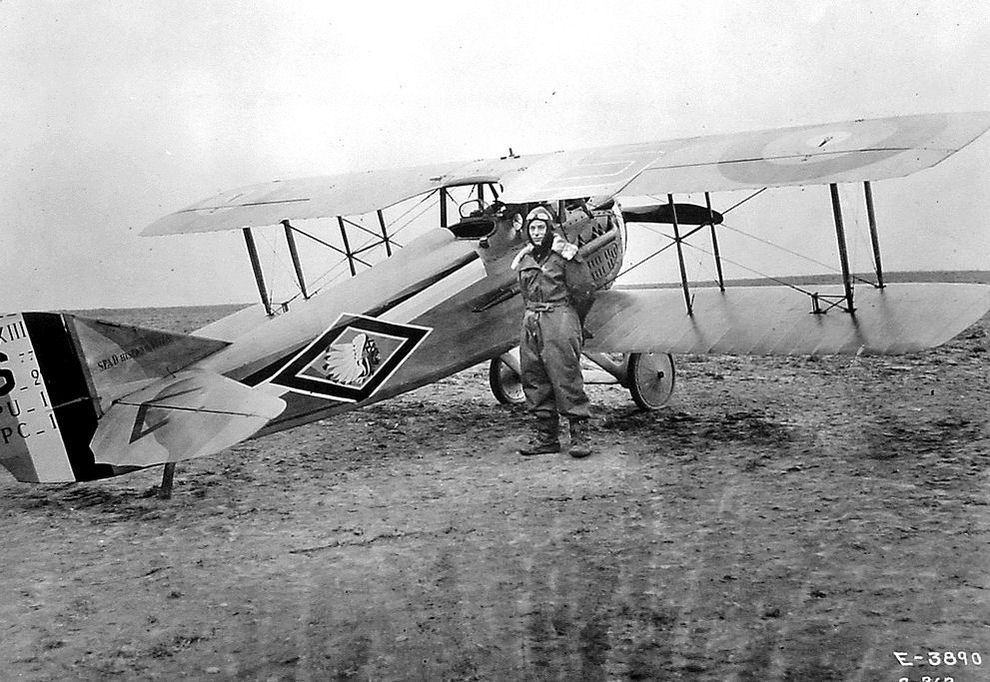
[821,303]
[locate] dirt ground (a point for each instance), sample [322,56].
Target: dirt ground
[782,519]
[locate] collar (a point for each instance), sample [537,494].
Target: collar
[560,246]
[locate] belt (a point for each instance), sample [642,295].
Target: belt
[541,307]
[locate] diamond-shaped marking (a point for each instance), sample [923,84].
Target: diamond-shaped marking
[393,343]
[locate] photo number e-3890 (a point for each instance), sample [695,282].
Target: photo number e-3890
[955,659]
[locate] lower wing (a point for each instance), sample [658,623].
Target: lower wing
[777,320]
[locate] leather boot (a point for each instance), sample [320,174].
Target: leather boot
[580,447]
[544,440]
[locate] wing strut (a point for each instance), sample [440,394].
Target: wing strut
[331,246]
[296,264]
[388,244]
[680,254]
[347,246]
[259,276]
[718,257]
[871,215]
[840,235]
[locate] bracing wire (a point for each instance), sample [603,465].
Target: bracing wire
[412,208]
[652,255]
[375,235]
[749,269]
[277,258]
[320,280]
[417,216]
[751,196]
[827,266]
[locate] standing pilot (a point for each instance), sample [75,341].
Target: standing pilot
[558,290]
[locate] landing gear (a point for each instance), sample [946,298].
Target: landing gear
[650,379]
[503,377]
[648,376]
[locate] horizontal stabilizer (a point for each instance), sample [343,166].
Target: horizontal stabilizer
[189,415]
[119,355]
[776,320]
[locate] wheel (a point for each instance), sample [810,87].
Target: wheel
[504,379]
[651,379]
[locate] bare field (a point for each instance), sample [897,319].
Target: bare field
[782,519]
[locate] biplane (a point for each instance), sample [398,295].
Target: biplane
[83,398]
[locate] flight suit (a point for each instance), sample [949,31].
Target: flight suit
[558,294]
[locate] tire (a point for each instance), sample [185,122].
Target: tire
[505,382]
[651,379]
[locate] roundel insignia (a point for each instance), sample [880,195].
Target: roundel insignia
[351,359]
[808,153]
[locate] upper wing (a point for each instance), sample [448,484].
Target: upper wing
[806,155]
[338,195]
[774,320]
[818,154]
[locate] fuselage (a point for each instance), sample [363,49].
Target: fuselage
[438,282]
[88,398]
[446,301]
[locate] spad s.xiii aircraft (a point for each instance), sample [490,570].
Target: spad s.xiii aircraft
[83,399]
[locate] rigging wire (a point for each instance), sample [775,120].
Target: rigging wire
[731,208]
[673,242]
[752,270]
[827,266]
[418,215]
[862,245]
[375,235]
[652,255]
[329,245]
[316,284]
[412,208]
[751,196]
[277,259]
[670,237]
[377,239]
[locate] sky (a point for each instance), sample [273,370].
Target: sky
[113,114]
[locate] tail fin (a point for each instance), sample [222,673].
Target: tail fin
[59,373]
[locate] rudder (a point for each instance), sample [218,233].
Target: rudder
[58,373]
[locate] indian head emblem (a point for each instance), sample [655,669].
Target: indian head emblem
[352,362]
[352,359]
